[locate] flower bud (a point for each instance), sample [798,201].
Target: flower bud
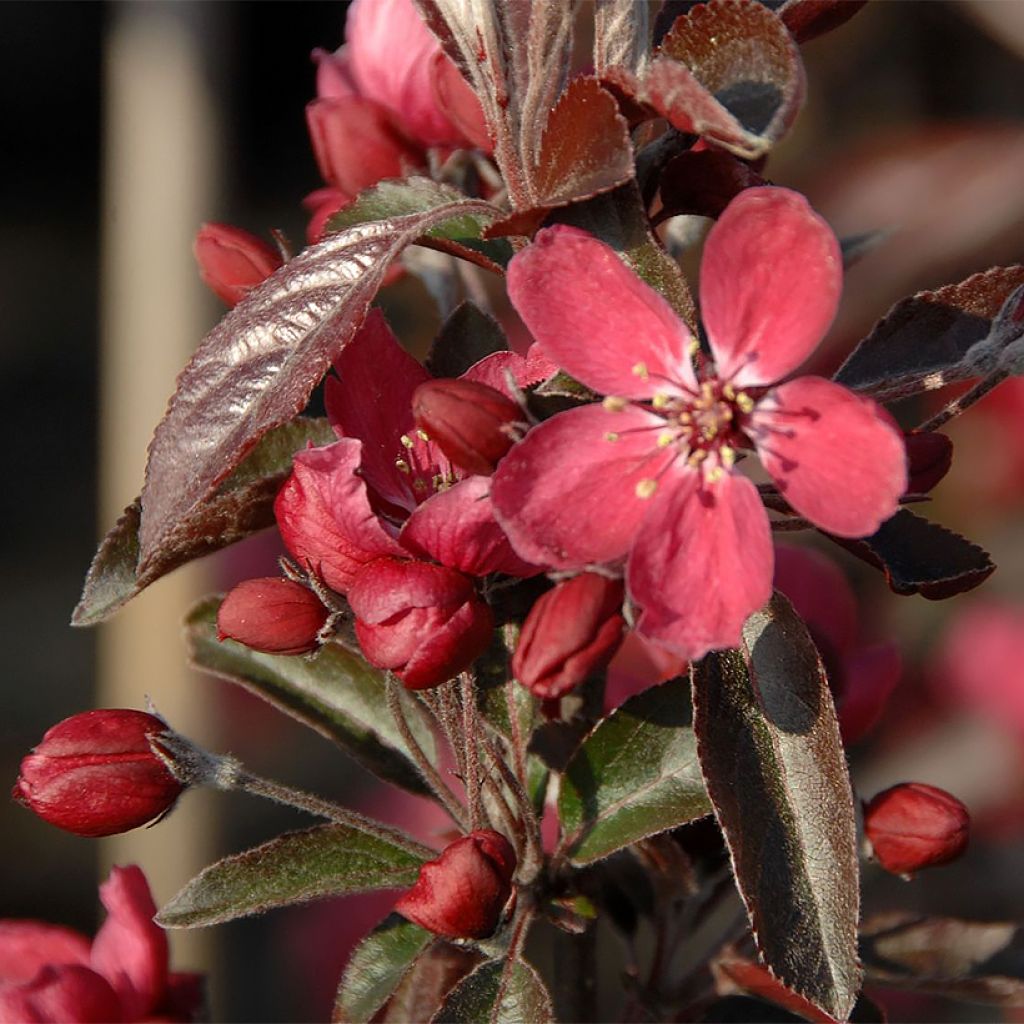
[913,826]
[462,893]
[929,456]
[95,775]
[232,261]
[573,630]
[471,423]
[425,622]
[273,615]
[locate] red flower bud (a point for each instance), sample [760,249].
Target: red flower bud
[462,893]
[231,261]
[573,630]
[273,615]
[929,456]
[95,775]
[425,622]
[914,826]
[470,422]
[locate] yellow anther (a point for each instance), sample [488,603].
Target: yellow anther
[614,404]
[402,466]
[660,400]
[694,347]
[707,390]
[419,486]
[407,441]
[665,438]
[422,435]
[696,457]
[646,487]
[729,392]
[438,481]
[611,436]
[714,475]
[709,433]
[745,402]
[727,455]
[640,370]
[685,417]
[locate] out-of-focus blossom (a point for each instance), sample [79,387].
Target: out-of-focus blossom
[929,458]
[913,826]
[462,893]
[94,774]
[53,974]
[862,676]
[649,476]
[233,261]
[273,615]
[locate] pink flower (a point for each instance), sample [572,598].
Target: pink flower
[650,475]
[50,973]
[232,261]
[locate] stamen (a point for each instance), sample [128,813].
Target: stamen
[646,487]
[714,474]
[402,466]
[640,370]
[696,457]
[727,455]
[665,438]
[407,441]
[660,400]
[422,435]
[614,404]
[611,436]
[729,392]
[419,486]
[685,417]
[693,348]
[745,402]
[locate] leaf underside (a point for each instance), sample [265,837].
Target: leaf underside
[487,996]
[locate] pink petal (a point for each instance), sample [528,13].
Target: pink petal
[457,528]
[371,399]
[56,995]
[701,564]
[27,946]
[770,281]
[324,514]
[391,586]
[566,496]
[493,370]
[596,319]
[130,949]
[836,457]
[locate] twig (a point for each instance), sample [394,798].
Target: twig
[958,405]
[470,728]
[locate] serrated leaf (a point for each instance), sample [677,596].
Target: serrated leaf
[242,505]
[922,557]
[467,336]
[376,968]
[331,860]
[635,775]
[434,974]
[776,773]
[333,691]
[920,344]
[257,368]
[494,995]
[976,961]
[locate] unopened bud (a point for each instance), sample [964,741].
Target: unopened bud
[462,893]
[94,774]
[233,261]
[573,630]
[273,615]
[913,826]
[422,621]
[473,424]
[929,456]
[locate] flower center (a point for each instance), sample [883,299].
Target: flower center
[419,463]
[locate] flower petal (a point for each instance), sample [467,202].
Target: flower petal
[66,992]
[27,946]
[493,370]
[594,317]
[566,495]
[457,528]
[836,457]
[770,281]
[701,564]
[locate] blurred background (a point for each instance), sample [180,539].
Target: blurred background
[127,125]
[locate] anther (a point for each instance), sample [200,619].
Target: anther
[402,466]
[728,456]
[422,435]
[613,403]
[419,486]
[646,487]
[729,392]
[640,370]
[660,400]
[745,402]
[665,438]
[407,441]
[611,436]
[714,474]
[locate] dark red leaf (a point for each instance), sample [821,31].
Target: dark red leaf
[466,336]
[704,183]
[807,19]
[759,981]
[921,557]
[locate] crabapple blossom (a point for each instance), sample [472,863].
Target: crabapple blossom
[650,476]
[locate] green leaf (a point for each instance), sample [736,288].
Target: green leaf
[333,691]
[241,506]
[492,995]
[635,775]
[776,772]
[331,860]
[377,966]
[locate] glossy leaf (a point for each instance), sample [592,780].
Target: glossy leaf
[333,691]
[242,505]
[376,968]
[920,344]
[256,369]
[467,336]
[776,773]
[494,995]
[331,860]
[432,976]
[635,775]
[977,961]
[921,557]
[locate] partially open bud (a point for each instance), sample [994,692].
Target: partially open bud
[913,826]
[929,456]
[95,775]
[273,615]
[425,622]
[471,423]
[573,630]
[462,893]
[232,261]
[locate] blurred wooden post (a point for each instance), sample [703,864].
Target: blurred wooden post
[162,157]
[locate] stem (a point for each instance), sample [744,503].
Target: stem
[470,728]
[518,750]
[515,951]
[430,775]
[958,405]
